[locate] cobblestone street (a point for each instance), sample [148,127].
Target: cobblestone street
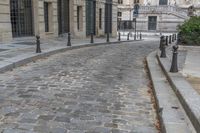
[100,89]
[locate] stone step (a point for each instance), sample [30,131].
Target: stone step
[170,112]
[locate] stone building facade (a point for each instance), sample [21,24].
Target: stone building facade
[155,15]
[51,18]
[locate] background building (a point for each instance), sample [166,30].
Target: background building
[155,15]
[50,18]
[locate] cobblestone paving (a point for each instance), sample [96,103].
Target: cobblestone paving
[100,89]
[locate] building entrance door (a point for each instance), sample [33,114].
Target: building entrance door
[90,17]
[108,16]
[63,16]
[152,22]
[21,17]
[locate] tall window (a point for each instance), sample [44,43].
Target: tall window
[108,16]
[79,18]
[46,16]
[100,18]
[21,16]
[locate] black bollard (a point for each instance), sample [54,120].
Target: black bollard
[92,38]
[178,39]
[160,42]
[38,49]
[69,39]
[134,36]
[167,40]
[140,36]
[162,47]
[107,38]
[128,36]
[119,36]
[174,66]
[170,39]
[173,38]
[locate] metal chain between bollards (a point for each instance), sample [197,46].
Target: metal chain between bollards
[174,65]
[162,47]
[69,39]
[38,49]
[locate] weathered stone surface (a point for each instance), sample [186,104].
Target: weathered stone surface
[99,89]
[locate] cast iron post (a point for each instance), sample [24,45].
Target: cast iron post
[128,36]
[174,36]
[163,46]
[107,40]
[92,38]
[134,36]
[38,49]
[174,66]
[119,36]
[69,39]
[167,40]
[170,39]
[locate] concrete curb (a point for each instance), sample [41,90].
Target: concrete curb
[148,62]
[27,58]
[187,96]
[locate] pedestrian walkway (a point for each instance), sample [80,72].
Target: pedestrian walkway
[191,69]
[188,65]
[23,50]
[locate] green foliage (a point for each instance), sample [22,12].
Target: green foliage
[190,31]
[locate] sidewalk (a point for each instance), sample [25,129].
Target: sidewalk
[185,85]
[191,69]
[22,50]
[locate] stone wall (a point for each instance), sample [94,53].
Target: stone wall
[5,27]
[39,23]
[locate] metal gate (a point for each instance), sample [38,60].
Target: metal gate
[63,16]
[90,17]
[21,17]
[108,16]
